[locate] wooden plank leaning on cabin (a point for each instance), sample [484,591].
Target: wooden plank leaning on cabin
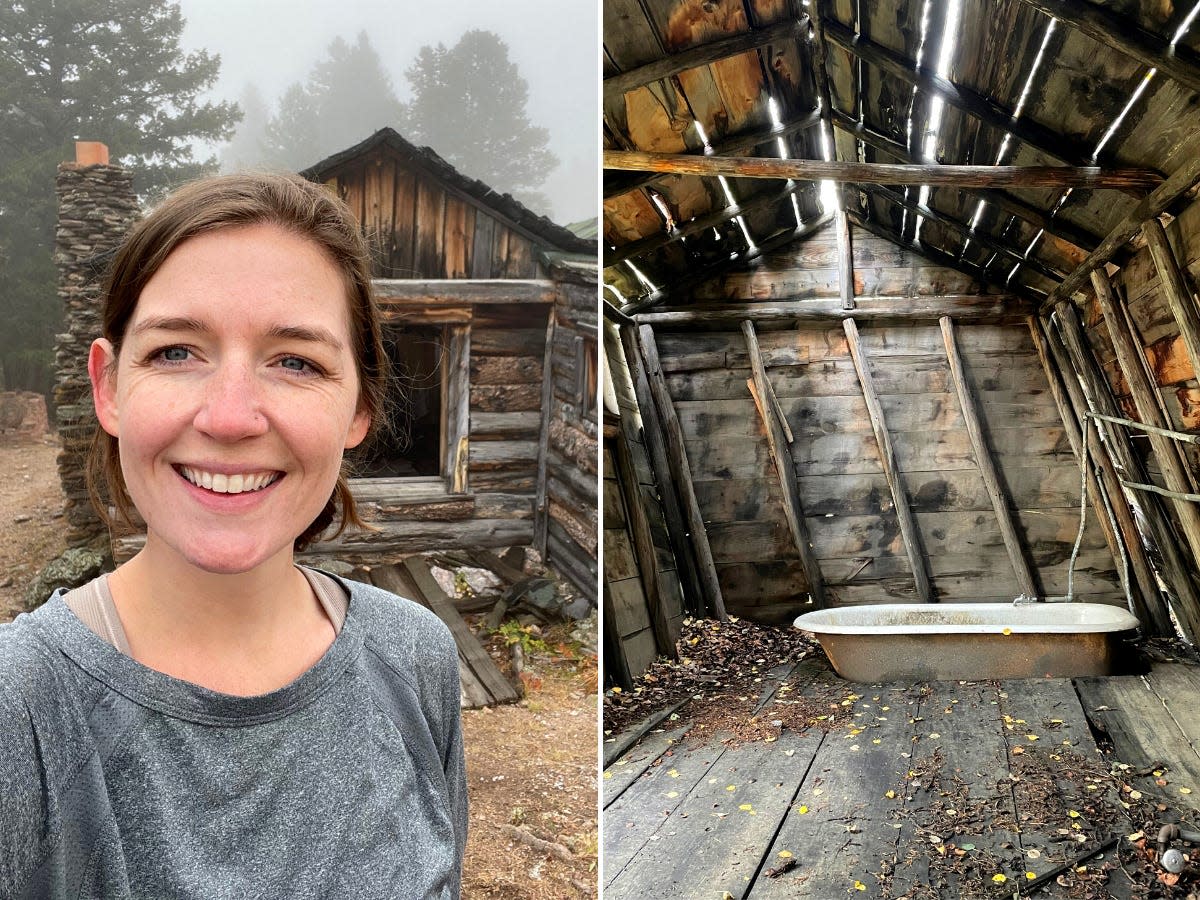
[681,473]
[653,436]
[1017,553]
[1091,393]
[456,387]
[541,509]
[781,455]
[470,648]
[1175,289]
[913,546]
[1166,451]
[1143,589]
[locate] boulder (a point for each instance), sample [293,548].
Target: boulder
[75,567]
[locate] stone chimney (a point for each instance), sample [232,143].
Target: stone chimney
[96,207]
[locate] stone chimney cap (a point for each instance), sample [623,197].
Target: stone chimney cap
[91,153]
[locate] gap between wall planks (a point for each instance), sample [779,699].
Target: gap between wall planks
[652,433]
[541,507]
[1144,589]
[1165,450]
[987,467]
[1095,395]
[681,474]
[913,545]
[781,454]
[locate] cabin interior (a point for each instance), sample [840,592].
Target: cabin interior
[899,306]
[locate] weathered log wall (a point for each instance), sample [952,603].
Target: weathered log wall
[569,520]
[420,227]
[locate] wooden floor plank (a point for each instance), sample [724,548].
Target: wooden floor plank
[1059,770]
[717,834]
[1178,686]
[636,816]
[840,825]
[960,794]
[1144,734]
[631,765]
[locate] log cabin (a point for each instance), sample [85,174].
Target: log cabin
[490,316]
[899,307]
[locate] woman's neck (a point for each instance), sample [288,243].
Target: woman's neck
[245,634]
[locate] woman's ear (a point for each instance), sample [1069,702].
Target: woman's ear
[359,426]
[102,370]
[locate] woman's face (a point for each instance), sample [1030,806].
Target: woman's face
[233,397]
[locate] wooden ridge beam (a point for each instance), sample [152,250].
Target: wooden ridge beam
[1090,177]
[1166,451]
[1017,553]
[976,105]
[1178,184]
[913,545]
[737,145]
[1177,568]
[1179,62]
[615,86]
[653,242]
[1040,218]
[681,473]
[974,307]
[785,466]
[962,228]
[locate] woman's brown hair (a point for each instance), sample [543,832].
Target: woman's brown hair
[308,210]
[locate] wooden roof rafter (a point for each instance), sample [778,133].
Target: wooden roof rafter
[1176,61]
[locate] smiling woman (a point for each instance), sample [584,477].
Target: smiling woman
[211,720]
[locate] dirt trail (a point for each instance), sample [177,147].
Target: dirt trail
[32,526]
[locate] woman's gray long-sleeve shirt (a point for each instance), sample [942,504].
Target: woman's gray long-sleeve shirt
[117,781]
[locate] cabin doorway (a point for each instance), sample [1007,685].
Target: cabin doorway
[409,444]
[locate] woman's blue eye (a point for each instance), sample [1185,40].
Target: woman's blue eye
[294,363]
[175,354]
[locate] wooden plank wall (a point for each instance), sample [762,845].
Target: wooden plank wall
[573,521]
[630,644]
[848,508]
[420,228]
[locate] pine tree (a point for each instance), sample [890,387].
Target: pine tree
[245,150]
[469,106]
[348,97]
[88,70]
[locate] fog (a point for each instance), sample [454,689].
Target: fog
[554,43]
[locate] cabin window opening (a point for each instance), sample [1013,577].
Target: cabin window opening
[585,375]
[409,442]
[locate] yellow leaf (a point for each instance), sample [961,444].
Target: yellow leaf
[891,795]
[785,854]
[672,793]
[673,773]
[1073,814]
[746,807]
[1030,876]
[731,787]
[877,741]
[1006,631]
[935,735]
[1185,790]
[608,774]
[998,878]
[859,886]
[802,810]
[1031,737]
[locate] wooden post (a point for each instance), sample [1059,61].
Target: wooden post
[913,545]
[1175,289]
[1139,565]
[781,454]
[845,258]
[542,508]
[643,547]
[1177,566]
[987,466]
[653,434]
[1166,451]
[682,473]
